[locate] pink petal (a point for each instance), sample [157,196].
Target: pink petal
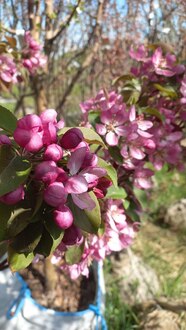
[132,113]
[84,201]
[112,139]
[136,153]
[93,173]
[101,129]
[76,160]
[121,130]
[106,117]
[144,124]
[76,185]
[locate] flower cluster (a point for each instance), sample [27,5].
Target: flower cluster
[8,69]
[118,235]
[146,127]
[12,62]
[75,185]
[33,59]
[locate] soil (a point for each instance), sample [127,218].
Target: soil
[68,296]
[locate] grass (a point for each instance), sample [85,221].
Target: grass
[119,316]
[160,247]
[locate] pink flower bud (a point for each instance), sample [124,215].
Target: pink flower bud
[55,194]
[71,138]
[13,197]
[63,217]
[48,116]
[72,236]
[53,152]
[4,139]
[47,171]
[29,132]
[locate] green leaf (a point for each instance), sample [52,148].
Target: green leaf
[6,155]
[27,240]
[8,121]
[55,232]
[18,221]
[125,78]
[94,216]
[5,213]
[89,134]
[45,244]
[3,249]
[153,112]
[168,91]
[14,174]
[82,220]
[111,172]
[73,254]
[18,261]
[116,155]
[93,117]
[116,193]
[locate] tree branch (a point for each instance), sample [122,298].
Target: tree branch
[87,61]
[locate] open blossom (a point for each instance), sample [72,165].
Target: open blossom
[166,65]
[112,126]
[79,180]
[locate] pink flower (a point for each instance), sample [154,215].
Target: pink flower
[63,217]
[47,171]
[53,152]
[166,66]
[29,133]
[78,183]
[112,126]
[140,54]
[71,138]
[4,139]
[8,69]
[33,59]
[13,197]
[55,194]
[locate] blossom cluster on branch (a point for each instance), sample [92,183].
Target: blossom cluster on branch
[12,61]
[70,191]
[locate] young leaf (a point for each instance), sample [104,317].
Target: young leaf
[153,112]
[73,254]
[89,134]
[8,121]
[111,172]
[18,261]
[116,193]
[167,91]
[14,174]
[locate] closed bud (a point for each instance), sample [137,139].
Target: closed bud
[63,217]
[71,138]
[13,197]
[55,194]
